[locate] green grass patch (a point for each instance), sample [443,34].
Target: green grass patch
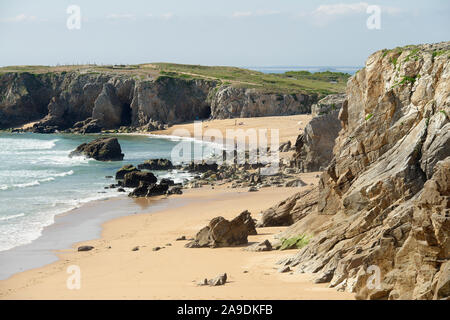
[297,242]
[370,115]
[439,53]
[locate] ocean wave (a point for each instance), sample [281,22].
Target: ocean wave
[222,146]
[12,217]
[11,144]
[63,174]
[62,160]
[52,177]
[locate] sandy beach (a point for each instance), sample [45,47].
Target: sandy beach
[113,271]
[289,127]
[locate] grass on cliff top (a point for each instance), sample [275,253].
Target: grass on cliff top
[322,83]
[289,82]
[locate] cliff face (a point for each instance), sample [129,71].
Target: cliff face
[384,200]
[229,102]
[59,100]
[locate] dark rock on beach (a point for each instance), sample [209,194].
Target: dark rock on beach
[85,248]
[120,174]
[223,233]
[156,164]
[102,149]
[134,178]
[202,166]
[149,190]
[175,190]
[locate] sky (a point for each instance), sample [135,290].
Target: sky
[210,32]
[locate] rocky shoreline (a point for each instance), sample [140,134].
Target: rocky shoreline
[383,198]
[83,102]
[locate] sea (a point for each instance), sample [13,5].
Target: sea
[38,179]
[282,69]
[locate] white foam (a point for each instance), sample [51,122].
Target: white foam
[11,144]
[28,184]
[63,174]
[12,217]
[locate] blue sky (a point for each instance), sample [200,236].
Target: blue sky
[232,32]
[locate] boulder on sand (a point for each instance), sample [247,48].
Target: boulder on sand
[223,233]
[102,149]
[149,190]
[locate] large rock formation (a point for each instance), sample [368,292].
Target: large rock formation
[102,149]
[314,147]
[291,210]
[223,233]
[229,102]
[60,100]
[384,201]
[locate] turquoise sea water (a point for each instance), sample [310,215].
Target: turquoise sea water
[38,180]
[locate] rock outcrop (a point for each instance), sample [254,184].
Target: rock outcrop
[330,103]
[223,233]
[381,224]
[149,190]
[102,149]
[120,174]
[314,147]
[134,178]
[291,210]
[156,164]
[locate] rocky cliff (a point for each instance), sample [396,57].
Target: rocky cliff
[230,102]
[59,100]
[384,201]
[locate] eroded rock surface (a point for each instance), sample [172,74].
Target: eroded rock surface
[384,200]
[314,147]
[59,100]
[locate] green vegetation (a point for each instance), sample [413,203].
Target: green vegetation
[297,242]
[321,83]
[406,80]
[413,55]
[370,115]
[440,53]
[289,82]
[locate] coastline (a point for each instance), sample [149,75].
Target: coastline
[129,223]
[119,272]
[82,223]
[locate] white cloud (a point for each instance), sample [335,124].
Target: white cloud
[341,8]
[258,13]
[168,15]
[267,12]
[326,13]
[20,18]
[350,8]
[116,16]
[241,14]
